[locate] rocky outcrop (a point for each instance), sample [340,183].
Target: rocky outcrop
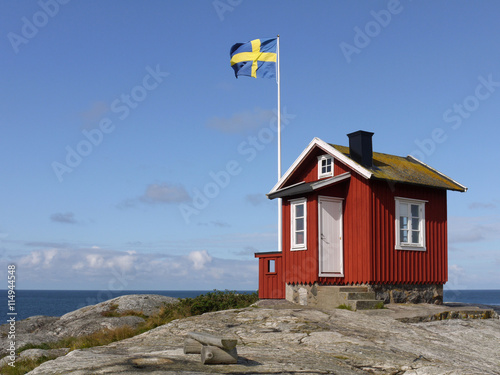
[109,314]
[282,338]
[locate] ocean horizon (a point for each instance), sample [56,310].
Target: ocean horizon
[59,302]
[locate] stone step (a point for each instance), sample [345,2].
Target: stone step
[353,289]
[360,295]
[363,304]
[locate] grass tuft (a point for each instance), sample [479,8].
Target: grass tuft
[23,366]
[379,306]
[344,307]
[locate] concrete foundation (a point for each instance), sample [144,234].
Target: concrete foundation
[362,296]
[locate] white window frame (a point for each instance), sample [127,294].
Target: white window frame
[420,246]
[320,166]
[293,203]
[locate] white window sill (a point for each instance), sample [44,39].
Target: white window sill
[298,248]
[331,274]
[325,175]
[409,247]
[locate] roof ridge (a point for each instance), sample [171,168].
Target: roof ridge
[375,152]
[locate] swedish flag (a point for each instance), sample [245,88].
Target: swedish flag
[256,58]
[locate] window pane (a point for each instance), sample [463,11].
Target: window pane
[414,224]
[299,238]
[415,236]
[403,222]
[299,210]
[403,235]
[326,165]
[271,266]
[414,210]
[403,209]
[299,224]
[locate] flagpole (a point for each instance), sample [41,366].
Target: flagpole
[280,226]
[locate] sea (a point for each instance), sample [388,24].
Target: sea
[29,303]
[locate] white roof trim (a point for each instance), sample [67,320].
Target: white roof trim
[439,173]
[329,150]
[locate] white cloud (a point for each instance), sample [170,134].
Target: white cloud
[256,199]
[32,259]
[242,121]
[481,205]
[94,261]
[105,269]
[473,229]
[161,193]
[94,114]
[199,259]
[216,223]
[165,193]
[49,256]
[66,218]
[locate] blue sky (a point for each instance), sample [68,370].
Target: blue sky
[119,118]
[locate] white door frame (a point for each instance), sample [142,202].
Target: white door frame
[341,241]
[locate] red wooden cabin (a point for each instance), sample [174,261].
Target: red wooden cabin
[352,216]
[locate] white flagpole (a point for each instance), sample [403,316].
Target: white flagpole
[280,227]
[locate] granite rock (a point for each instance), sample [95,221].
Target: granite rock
[287,339]
[89,319]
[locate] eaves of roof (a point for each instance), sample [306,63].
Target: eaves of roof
[307,187]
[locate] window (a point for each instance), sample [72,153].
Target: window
[271,266]
[410,224]
[299,224]
[325,166]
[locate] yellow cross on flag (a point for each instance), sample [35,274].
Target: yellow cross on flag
[256,58]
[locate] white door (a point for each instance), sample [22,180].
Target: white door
[330,237]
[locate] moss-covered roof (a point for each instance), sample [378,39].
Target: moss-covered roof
[406,170]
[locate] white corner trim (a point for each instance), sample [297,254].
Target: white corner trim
[439,173]
[340,156]
[316,142]
[295,164]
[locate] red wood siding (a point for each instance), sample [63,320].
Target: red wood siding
[301,266]
[356,236]
[393,266]
[308,169]
[271,284]
[369,249]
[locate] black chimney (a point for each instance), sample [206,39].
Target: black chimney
[360,147]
